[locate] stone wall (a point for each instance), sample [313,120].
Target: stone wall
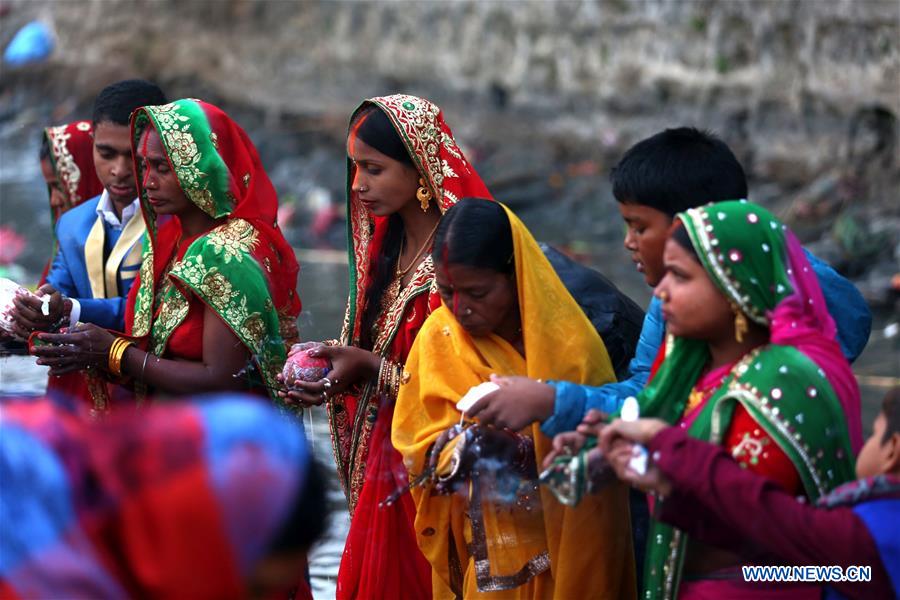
[801,89]
[768,57]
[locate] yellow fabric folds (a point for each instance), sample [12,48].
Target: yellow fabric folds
[93,258]
[103,275]
[589,546]
[127,252]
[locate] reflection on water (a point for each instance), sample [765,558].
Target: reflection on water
[326,556]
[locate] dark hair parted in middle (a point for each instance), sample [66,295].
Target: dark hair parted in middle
[374,128]
[678,169]
[475,233]
[680,236]
[371,125]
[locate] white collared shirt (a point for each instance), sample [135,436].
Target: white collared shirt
[107,213]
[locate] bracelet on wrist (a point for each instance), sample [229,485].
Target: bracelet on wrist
[116,352]
[144,366]
[388,382]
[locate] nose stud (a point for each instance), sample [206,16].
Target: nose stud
[467,311]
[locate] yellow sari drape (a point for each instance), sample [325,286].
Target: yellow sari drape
[550,551]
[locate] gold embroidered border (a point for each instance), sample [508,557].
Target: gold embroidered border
[66,167]
[478,548]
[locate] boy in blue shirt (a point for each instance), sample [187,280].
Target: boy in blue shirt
[657,178]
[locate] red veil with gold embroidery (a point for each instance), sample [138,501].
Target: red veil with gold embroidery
[381,558]
[72,159]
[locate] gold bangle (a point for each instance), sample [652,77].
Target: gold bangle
[387,378]
[378,377]
[121,355]
[392,379]
[395,379]
[116,353]
[114,357]
[110,361]
[381,384]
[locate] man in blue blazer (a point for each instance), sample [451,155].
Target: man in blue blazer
[100,241]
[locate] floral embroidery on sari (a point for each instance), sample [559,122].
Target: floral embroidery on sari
[192,149]
[224,267]
[172,312]
[70,145]
[217,290]
[143,309]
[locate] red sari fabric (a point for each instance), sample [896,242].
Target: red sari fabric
[72,159]
[186,342]
[381,552]
[381,558]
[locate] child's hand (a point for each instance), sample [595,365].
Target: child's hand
[653,480]
[639,432]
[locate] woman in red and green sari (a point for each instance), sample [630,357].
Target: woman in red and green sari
[214,306]
[404,170]
[752,364]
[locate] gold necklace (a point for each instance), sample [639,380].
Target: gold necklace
[402,272]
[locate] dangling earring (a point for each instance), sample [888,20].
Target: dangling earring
[740,323]
[423,194]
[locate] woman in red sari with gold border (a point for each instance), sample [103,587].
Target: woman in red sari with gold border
[67,164]
[404,170]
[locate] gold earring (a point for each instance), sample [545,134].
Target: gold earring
[740,323]
[423,194]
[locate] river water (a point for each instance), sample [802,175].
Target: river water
[592,228]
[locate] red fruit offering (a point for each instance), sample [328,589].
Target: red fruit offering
[300,366]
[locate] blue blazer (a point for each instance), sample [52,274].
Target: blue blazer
[96,264]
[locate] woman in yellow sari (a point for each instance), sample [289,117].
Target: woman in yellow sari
[504,312]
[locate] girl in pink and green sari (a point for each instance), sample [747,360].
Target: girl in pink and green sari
[752,364]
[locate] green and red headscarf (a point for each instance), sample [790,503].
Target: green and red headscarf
[244,269]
